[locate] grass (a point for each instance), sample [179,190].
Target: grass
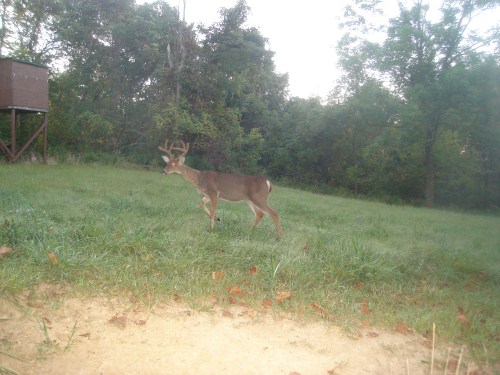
[122,230]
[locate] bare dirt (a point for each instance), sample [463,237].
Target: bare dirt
[52,333]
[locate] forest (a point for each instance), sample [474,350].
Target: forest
[414,119]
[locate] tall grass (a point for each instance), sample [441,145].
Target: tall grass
[122,230]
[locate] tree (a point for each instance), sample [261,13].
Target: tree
[26,30]
[230,93]
[415,58]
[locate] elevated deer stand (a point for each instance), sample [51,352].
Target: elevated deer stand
[24,89]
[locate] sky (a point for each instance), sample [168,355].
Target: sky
[302,34]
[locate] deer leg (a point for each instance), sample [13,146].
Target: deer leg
[258,214]
[203,205]
[274,215]
[263,206]
[213,206]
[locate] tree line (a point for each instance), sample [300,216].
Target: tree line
[415,117]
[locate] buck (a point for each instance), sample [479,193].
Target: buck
[213,186]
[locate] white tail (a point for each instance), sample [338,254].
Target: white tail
[216,185]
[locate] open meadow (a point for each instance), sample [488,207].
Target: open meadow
[105,233]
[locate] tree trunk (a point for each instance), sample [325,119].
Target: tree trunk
[429,175]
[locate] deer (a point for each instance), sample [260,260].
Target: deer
[214,186]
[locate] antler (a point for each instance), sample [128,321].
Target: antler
[168,150]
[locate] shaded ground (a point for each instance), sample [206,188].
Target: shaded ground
[55,334]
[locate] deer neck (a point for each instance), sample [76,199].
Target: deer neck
[190,174]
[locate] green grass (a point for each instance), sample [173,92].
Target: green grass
[121,230]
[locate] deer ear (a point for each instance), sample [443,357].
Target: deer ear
[182,159]
[166,158]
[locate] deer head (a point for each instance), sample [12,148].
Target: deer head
[173,162]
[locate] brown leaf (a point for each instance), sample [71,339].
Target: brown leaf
[218,275]
[403,328]
[233,301]
[267,303]
[87,334]
[235,290]
[283,295]
[4,250]
[461,317]
[318,308]
[325,314]
[470,287]
[364,308]
[248,313]
[227,314]
[365,324]
[253,270]
[141,322]
[372,334]
[53,258]
[120,322]
[305,248]
[359,286]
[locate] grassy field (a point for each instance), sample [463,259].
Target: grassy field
[354,262]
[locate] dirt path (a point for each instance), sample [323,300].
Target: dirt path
[97,336]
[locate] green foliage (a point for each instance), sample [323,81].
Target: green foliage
[414,119]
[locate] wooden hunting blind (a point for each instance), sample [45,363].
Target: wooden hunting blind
[24,89]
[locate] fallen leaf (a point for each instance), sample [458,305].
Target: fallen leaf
[283,295]
[461,317]
[176,297]
[235,290]
[248,313]
[4,250]
[141,322]
[120,322]
[359,286]
[53,258]
[227,314]
[305,248]
[403,328]
[233,301]
[470,287]
[267,303]
[372,334]
[253,270]
[87,334]
[452,365]
[365,324]
[218,275]
[318,308]
[50,229]
[325,314]
[364,308]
